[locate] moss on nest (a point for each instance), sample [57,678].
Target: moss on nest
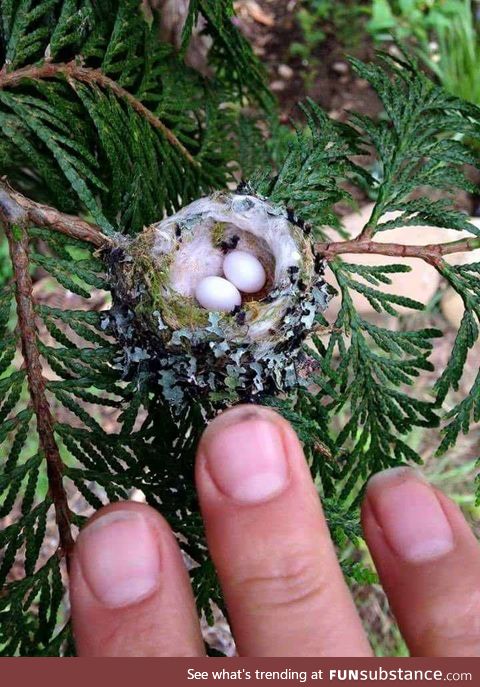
[218,234]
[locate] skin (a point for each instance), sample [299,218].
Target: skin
[267,535]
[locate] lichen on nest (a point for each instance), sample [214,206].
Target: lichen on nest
[224,357]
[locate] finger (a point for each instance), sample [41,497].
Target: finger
[283,586]
[428,561]
[130,591]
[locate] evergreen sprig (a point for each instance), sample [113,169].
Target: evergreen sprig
[308,179]
[421,143]
[78,355]
[101,119]
[99,69]
[231,54]
[371,369]
[465,279]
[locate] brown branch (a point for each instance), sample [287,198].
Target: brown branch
[20,210]
[432,253]
[72,70]
[367,233]
[18,243]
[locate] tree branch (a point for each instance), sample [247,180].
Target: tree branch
[18,242]
[72,70]
[431,253]
[21,210]
[16,209]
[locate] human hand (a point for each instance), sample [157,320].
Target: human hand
[268,538]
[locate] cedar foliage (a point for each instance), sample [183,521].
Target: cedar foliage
[121,131]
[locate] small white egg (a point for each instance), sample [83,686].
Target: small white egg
[217,294]
[245,271]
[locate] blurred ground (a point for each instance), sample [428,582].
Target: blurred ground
[325,75]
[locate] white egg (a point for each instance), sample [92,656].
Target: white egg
[217,294]
[245,271]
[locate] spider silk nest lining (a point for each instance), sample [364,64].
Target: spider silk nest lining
[190,351]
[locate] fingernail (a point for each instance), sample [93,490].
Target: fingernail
[410,515]
[246,458]
[119,558]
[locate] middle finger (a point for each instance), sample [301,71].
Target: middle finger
[268,537]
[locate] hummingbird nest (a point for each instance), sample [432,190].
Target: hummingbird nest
[192,353]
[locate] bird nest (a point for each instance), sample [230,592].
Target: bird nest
[164,332]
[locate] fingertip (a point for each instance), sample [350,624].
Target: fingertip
[129,587]
[269,539]
[122,551]
[428,560]
[140,511]
[411,515]
[245,457]
[242,413]
[391,477]
[119,557]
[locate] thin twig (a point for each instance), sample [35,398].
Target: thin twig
[72,70]
[22,211]
[18,243]
[431,253]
